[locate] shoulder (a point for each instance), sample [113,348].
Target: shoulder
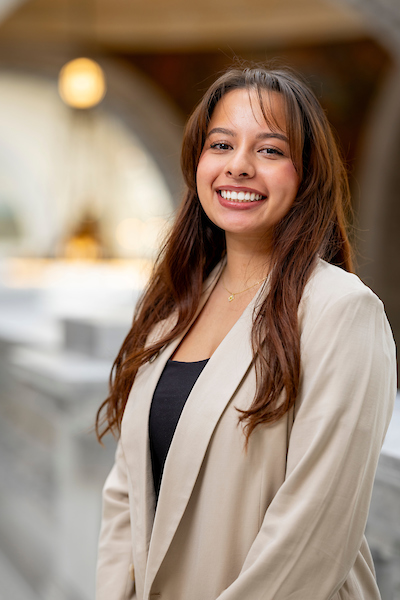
[346,342]
[335,300]
[331,289]
[329,283]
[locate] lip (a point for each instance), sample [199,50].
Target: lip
[231,204]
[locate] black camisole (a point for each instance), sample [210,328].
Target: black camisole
[172,391]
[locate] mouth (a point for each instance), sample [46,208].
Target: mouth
[240,196]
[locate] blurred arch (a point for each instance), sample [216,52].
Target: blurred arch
[379,211]
[134,98]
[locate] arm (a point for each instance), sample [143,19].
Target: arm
[313,528]
[114,581]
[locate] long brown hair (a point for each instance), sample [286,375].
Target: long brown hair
[314,227]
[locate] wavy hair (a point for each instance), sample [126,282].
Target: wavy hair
[315,226]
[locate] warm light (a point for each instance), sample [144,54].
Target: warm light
[140,237]
[81,83]
[82,248]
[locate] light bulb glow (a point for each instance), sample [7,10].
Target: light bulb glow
[81,83]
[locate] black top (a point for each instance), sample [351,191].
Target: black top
[172,391]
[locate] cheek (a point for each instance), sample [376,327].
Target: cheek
[287,180]
[202,166]
[199,174]
[203,184]
[207,171]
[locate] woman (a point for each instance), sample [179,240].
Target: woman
[254,390]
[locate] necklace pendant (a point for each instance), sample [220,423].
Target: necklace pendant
[231,297]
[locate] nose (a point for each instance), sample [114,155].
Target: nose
[240,165]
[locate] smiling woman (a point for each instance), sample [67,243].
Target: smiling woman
[246,179]
[251,420]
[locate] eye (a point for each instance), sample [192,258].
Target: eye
[220,146]
[272,151]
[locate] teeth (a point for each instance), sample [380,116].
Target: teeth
[240,196]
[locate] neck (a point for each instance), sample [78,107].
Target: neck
[247,262]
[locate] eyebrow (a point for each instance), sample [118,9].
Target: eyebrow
[260,136]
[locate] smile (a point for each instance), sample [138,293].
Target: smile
[241,196]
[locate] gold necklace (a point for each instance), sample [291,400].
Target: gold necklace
[232,295]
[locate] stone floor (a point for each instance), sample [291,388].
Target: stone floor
[12,585]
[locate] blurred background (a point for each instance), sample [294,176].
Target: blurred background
[94,95]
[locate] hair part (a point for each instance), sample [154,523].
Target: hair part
[314,227]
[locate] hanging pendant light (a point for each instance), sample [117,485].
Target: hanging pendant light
[81,83]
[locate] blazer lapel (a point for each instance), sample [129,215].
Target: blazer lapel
[203,409]
[135,441]
[135,436]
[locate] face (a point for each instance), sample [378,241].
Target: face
[246,180]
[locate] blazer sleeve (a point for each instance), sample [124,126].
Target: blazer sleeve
[114,579]
[313,529]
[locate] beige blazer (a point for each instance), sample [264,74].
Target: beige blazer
[284,520]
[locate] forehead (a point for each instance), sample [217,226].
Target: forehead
[246,108]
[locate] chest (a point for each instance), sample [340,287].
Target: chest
[216,319]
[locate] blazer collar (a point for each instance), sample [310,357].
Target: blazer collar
[207,401]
